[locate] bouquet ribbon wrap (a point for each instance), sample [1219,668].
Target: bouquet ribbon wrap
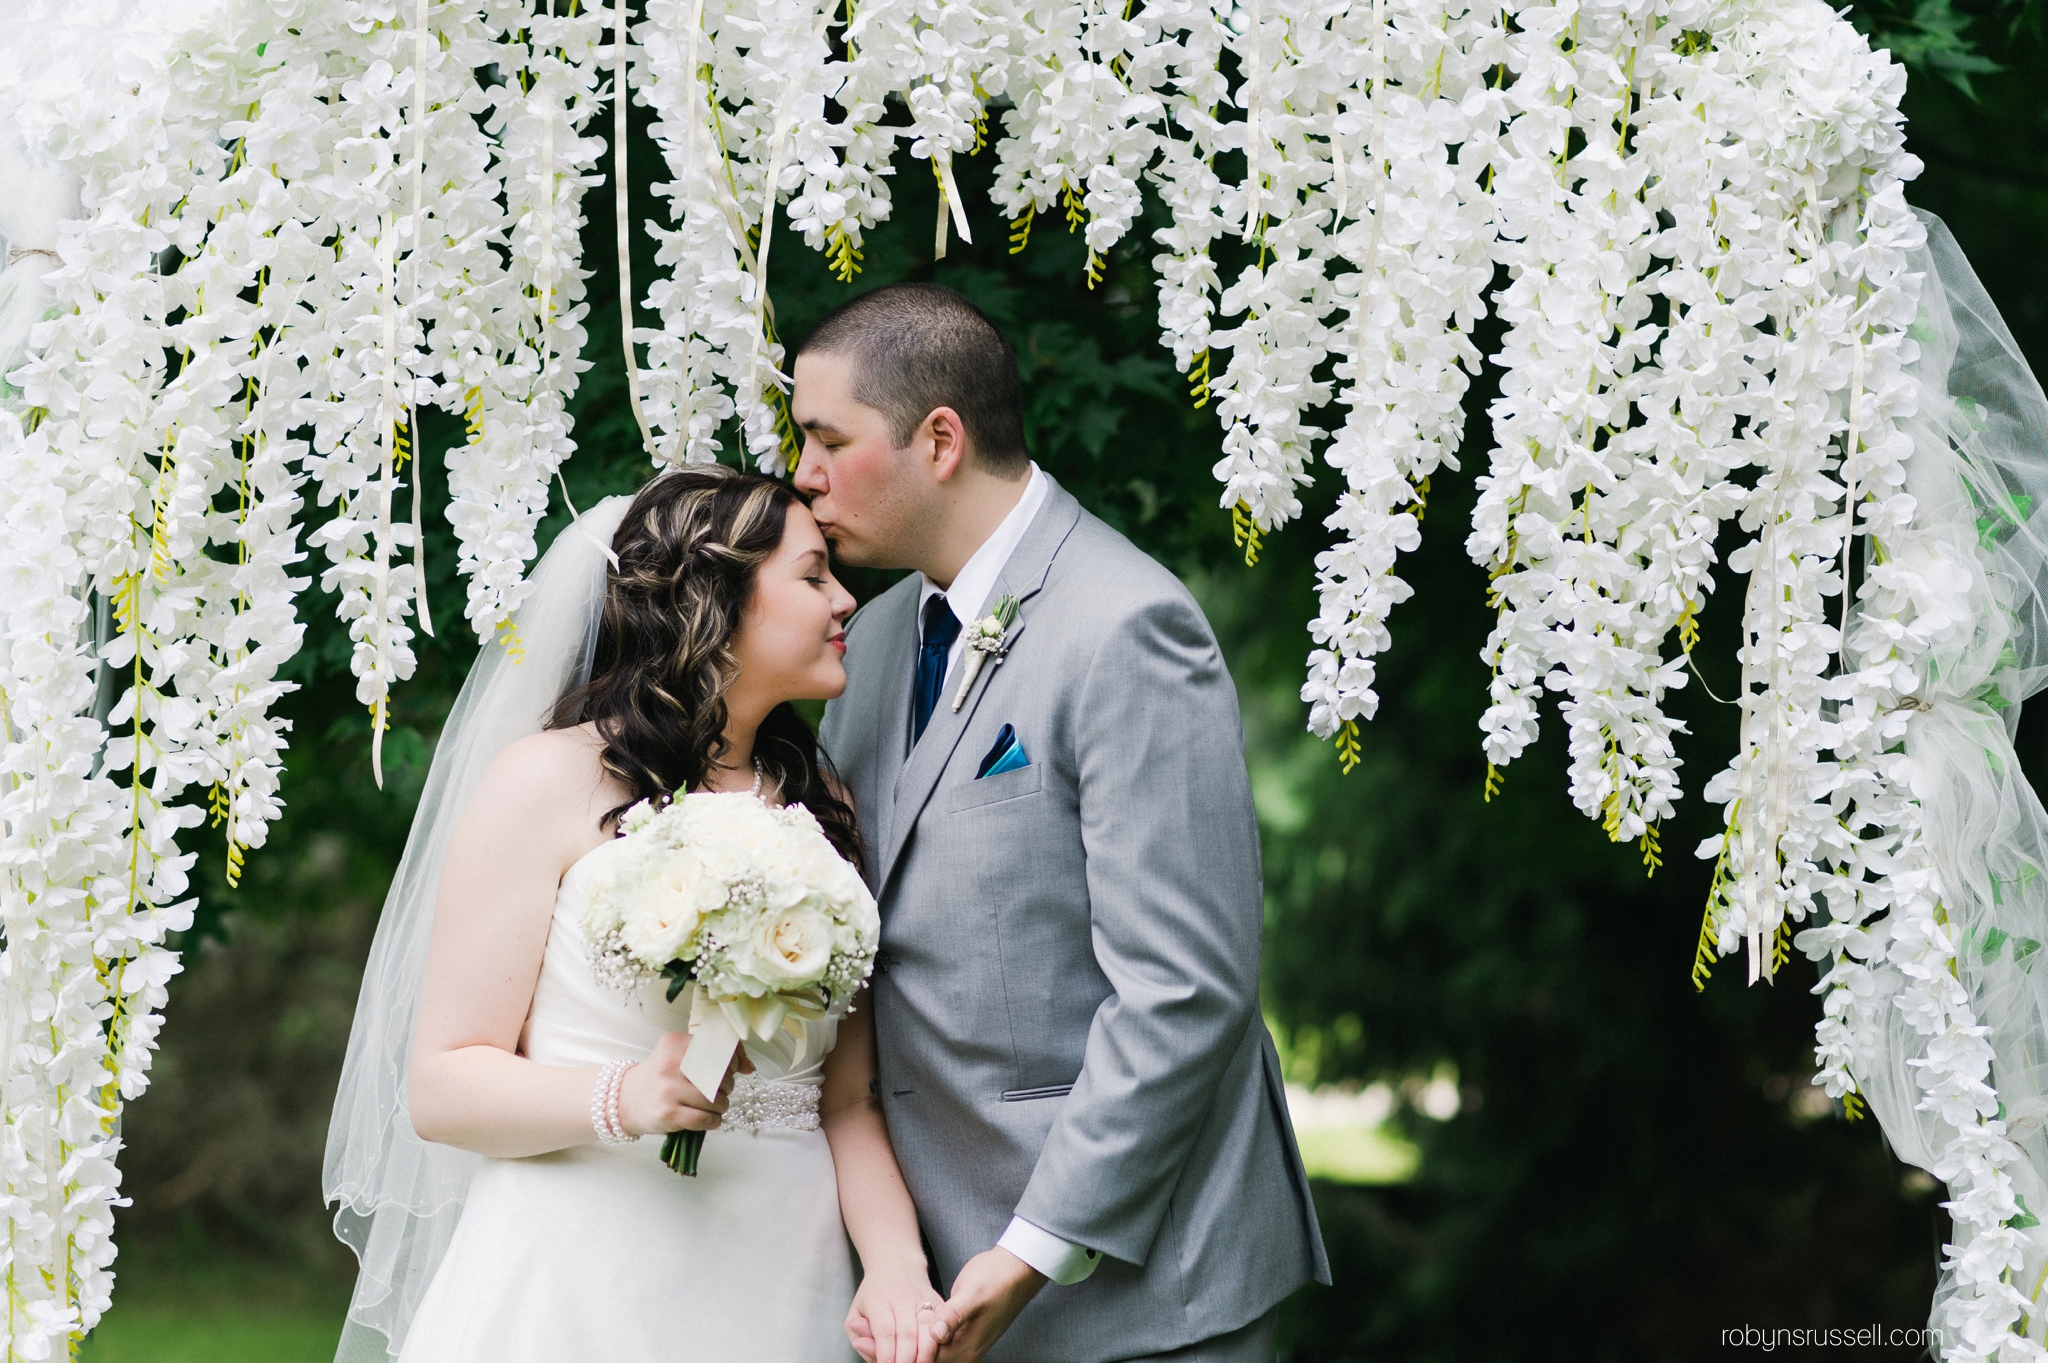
[717,1030]
[713,1042]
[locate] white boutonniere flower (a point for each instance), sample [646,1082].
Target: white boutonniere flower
[987,638]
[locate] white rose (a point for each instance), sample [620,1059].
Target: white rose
[847,894]
[611,876]
[637,817]
[667,908]
[844,887]
[734,834]
[790,949]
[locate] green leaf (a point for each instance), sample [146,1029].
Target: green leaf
[1992,696]
[678,974]
[1931,39]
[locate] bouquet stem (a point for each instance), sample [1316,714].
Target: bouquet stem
[679,1152]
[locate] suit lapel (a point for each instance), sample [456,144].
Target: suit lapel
[889,702]
[1021,577]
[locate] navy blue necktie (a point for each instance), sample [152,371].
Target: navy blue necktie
[941,628]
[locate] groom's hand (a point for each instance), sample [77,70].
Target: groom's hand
[992,1288]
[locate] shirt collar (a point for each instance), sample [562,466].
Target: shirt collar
[977,577]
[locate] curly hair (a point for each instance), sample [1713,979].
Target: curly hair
[688,551]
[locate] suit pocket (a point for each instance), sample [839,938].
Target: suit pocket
[1010,785]
[1030,1095]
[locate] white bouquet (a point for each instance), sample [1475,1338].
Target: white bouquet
[751,903]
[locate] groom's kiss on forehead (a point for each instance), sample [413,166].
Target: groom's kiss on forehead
[913,420]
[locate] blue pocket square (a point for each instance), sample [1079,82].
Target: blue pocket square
[1007,755]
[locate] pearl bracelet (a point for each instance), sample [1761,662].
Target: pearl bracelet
[604,1103]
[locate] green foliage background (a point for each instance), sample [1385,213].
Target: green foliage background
[1630,1172]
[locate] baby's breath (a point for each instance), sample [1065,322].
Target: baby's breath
[614,966]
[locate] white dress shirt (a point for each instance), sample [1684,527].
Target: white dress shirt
[969,594]
[1060,1260]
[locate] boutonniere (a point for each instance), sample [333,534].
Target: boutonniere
[986,638]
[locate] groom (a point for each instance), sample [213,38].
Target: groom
[1075,1073]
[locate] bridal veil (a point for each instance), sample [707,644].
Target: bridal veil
[401,1196]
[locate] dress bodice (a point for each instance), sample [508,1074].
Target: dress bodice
[598,1251]
[576,1021]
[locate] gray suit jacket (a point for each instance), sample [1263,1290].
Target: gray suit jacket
[1066,1000]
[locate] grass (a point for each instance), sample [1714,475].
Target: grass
[1356,1154]
[208,1308]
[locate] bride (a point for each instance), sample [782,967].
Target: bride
[497,1213]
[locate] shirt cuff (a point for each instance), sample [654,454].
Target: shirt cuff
[1062,1261]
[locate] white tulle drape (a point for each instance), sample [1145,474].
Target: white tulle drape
[38,197]
[40,193]
[1938,1003]
[401,1196]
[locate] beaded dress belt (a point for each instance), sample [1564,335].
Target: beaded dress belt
[758,1105]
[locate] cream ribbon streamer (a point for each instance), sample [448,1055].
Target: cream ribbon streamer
[778,143]
[949,202]
[1849,452]
[542,100]
[1379,187]
[1251,120]
[419,246]
[687,409]
[1337,160]
[387,417]
[620,94]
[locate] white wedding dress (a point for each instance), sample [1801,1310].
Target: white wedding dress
[600,1252]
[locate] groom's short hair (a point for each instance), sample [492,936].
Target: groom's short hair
[918,347]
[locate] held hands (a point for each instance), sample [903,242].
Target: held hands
[992,1288]
[655,1098]
[891,1316]
[896,1317]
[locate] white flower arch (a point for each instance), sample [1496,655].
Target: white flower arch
[296,222]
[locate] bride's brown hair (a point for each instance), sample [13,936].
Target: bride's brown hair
[688,550]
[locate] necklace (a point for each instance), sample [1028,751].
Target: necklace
[754,790]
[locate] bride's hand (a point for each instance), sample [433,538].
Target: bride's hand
[888,1321]
[655,1099]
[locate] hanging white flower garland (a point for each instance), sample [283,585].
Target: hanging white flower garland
[731,161]
[515,330]
[247,285]
[1419,228]
[145,428]
[1293,69]
[1186,44]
